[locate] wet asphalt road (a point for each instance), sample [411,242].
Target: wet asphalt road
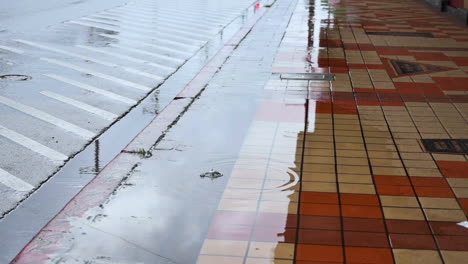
[86,64]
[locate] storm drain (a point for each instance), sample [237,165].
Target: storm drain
[308,76]
[448,146]
[15,77]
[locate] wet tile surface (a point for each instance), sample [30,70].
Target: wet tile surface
[321,171]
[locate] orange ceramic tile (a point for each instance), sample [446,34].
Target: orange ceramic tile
[361,211]
[359,199]
[453,169]
[319,209]
[319,198]
[369,255]
[319,253]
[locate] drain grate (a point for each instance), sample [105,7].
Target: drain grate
[448,146]
[15,77]
[308,76]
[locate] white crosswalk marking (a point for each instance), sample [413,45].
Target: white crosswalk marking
[35,146]
[11,49]
[147,53]
[91,109]
[98,74]
[87,58]
[88,87]
[13,182]
[47,118]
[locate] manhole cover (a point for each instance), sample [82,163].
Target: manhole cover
[15,77]
[449,146]
[308,76]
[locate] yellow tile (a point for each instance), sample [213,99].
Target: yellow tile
[357,188]
[271,250]
[410,256]
[349,169]
[389,171]
[399,201]
[355,178]
[219,259]
[440,203]
[445,215]
[454,257]
[319,187]
[403,213]
[224,247]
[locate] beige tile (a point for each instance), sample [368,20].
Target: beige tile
[403,213]
[458,182]
[440,203]
[318,176]
[349,146]
[354,178]
[238,205]
[224,247]
[310,152]
[386,163]
[419,172]
[454,257]
[461,192]
[352,161]
[278,207]
[351,153]
[219,259]
[416,156]
[357,188]
[271,250]
[267,261]
[445,215]
[420,164]
[381,147]
[319,187]
[383,155]
[389,171]
[449,157]
[326,168]
[399,201]
[412,256]
[353,169]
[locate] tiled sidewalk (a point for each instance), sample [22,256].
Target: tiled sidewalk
[357,186]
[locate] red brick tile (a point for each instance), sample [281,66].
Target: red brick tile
[359,199]
[429,182]
[361,211]
[363,224]
[412,241]
[395,190]
[320,237]
[274,234]
[365,239]
[434,192]
[453,169]
[320,209]
[319,253]
[408,227]
[280,220]
[464,204]
[320,222]
[448,228]
[319,197]
[369,255]
[391,180]
[453,242]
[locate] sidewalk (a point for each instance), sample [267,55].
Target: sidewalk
[314,171]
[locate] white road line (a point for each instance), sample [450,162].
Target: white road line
[148,44]
[163,57]
[14,182]
[118,29]
[48,118]
[154,24]
[198,36]
[138,36]
[170,13]
[184,23]
[88,87]
[35,146]
[110,53]
[91,109]
[98,74]
[18,51]
[150,26]
[197,22]
[105,63]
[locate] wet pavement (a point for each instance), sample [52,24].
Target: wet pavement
[86,71]
[312,171]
